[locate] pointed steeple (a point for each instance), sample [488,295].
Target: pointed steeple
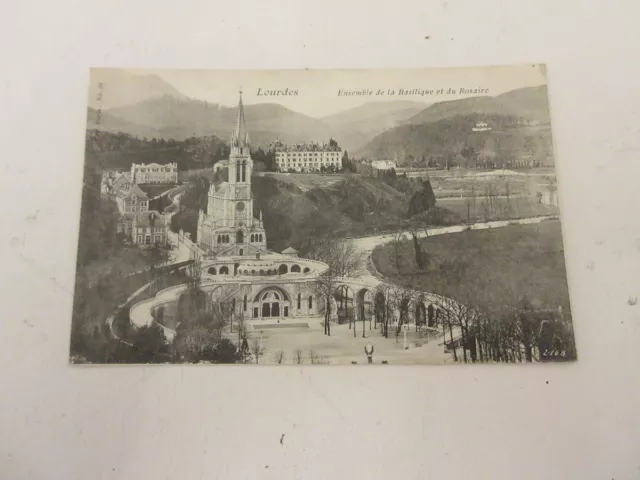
[240,135]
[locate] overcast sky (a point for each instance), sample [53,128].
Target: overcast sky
[318,89]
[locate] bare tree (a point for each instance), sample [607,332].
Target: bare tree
[279,357]
[317,359]
[384,313]
[297,357]
[396,244]
[343,260]
[400,297]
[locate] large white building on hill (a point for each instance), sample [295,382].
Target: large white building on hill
[154,173]
[308,157]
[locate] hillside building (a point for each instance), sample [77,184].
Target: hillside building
[146,228]
[308,157]
[115,182]
[154,173]
[481,127]
[384,165]
[133,201]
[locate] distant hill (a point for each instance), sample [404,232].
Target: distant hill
[353,206]
[181,118]
[358,125]
[451,137]
[121,88]
[113,124]
[119,150]
[529,103]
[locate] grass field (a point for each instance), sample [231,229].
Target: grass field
[524,259]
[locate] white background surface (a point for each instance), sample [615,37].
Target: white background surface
[485,422]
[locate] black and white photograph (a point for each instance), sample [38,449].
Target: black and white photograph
[321,217]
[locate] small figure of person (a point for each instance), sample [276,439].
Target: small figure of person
[368,350]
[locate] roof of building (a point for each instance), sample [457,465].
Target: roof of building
[289,250]
[123,177]
[137,191]
[279,146]
[154,165]
[221,188]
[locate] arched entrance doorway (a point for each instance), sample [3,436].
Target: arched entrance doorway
[431,316]
[381,315]
[364,304]
[344,298]
[272,303]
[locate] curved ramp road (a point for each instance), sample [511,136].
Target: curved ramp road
[368,243]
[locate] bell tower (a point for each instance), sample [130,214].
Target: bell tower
[229,226]
[240,169]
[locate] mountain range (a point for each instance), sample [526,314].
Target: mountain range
[167,116]
[357,126]
[180,118]
[118,87]
[528,103]
[374,129]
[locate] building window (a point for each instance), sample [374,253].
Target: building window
[299,301]
[244,304]
[310,302]
[140,240]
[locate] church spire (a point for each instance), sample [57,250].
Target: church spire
[240,136]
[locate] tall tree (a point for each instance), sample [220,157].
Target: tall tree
[343,261]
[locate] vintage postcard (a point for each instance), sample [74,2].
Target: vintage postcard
[336,217]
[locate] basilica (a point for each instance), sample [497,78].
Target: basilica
[229,226]
[233,245]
